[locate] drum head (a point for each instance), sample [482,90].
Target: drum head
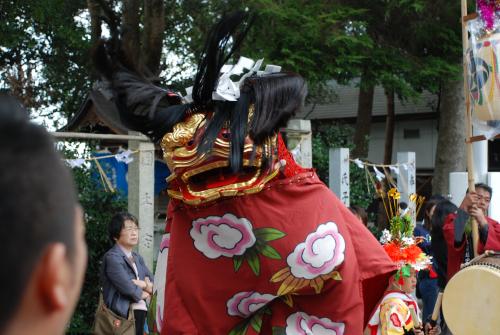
[471,301]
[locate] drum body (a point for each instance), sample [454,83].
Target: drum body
[471,300]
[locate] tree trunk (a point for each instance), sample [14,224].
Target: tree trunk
[154,28]
[95,26]
[130,31]
[95,21]
[364,119]
[450,152]
[389,126]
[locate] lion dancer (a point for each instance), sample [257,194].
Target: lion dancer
[254,243]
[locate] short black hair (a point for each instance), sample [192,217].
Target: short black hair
[432,202]
[485,187]
[117,223]
[438,242]
[442,210]
[37,201]
[361,212]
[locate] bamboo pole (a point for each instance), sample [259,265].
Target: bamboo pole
[470,159]
[436,312]
[415,318]
[90,136]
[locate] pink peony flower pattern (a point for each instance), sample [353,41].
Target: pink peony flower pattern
[227,236]
[161,279]
[244,304]
[302,324]
[320,254]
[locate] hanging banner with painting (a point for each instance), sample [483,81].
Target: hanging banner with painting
[483,67]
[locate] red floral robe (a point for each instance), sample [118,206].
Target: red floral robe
[290,259]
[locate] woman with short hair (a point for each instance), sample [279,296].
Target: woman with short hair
[125,278]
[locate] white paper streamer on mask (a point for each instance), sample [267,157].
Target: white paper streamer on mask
[124,157]
[227,89]
[254,69]
[270,68]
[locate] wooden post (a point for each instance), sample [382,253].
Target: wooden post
[339,173]
[470,154]
[141,196]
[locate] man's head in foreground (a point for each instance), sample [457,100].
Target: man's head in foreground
[43,251]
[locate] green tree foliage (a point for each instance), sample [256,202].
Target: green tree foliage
[416,44]
[322,40]
[99,206]
[186,26]
[317,39]
[340,136]
[44,54]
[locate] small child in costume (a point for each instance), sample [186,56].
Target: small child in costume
[394,315]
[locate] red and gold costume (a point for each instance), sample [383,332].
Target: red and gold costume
[255,255]
[254,244]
